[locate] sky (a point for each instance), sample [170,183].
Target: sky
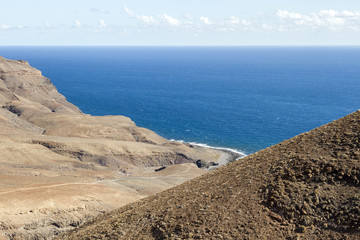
[180,22]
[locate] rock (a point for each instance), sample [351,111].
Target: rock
[201,164]
[275,217]
[159,169]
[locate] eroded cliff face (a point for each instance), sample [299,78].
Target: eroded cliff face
[59,166]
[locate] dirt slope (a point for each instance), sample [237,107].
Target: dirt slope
[303,188]
[59,166]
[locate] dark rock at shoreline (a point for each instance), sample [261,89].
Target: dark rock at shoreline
[201,164]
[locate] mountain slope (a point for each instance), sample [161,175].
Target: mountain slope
[306,187]
[31,106]
[59,166]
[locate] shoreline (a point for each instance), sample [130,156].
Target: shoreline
[234,154]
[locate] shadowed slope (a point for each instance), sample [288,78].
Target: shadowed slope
[306,187]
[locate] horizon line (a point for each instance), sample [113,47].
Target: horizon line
[290,45]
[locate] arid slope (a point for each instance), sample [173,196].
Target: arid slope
[59,166]
[303,188]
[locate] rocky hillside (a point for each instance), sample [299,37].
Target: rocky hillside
[59,166]
[303,188]
[31,106]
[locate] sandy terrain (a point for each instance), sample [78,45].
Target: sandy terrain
[43,206]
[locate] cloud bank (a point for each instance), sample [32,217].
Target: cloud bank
[332,19]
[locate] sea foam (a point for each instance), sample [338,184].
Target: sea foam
[236,151]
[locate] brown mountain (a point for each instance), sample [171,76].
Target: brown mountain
[59,166]
[307,187]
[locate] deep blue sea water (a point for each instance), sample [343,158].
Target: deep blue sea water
[246,98]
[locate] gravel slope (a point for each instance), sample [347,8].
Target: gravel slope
[303,188]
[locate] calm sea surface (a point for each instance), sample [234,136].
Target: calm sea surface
[245,98]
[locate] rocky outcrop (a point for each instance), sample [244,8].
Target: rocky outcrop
[55,157]
[303,188]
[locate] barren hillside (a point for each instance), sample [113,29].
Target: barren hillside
[303,188]
[59,166]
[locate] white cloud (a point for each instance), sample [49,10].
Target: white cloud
[102,23]
[324,18]
[10,27]
[285,14]
[282,20]
[170,20]
[335,21]
[129,12]
[205,20]
[328,13]
[146,19]
[4,26]
[143,18]
[245,23]
[351,14]
[234,20]
[161,19]
[188,17]
[77,24]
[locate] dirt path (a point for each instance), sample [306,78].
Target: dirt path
[188,167]
[48,186]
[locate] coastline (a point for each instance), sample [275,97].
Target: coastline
[232,154]
[67,166]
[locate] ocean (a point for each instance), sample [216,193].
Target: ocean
[243,98]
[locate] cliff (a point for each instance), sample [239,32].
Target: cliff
[59,166]
[303,188]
